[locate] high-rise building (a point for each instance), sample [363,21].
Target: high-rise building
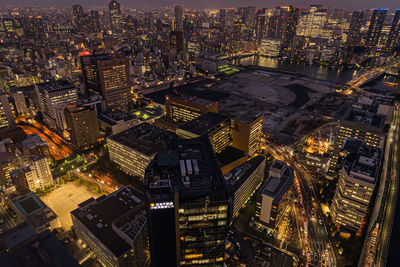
[393,41]
[247,132]
[374,33]
[272,200]
[312,23]
[185,108]
[6,117]
[222,18]
[243,181]
[189,210]
[108,76]
[114,227]
[82,125]
[178,9]
[289,29]
[135,148]
[363,125]
[354,36]
[20,103]
[176,41]
[50,95]
[216,126]
[115,16]
[249,16]
[77,14]
[357,180]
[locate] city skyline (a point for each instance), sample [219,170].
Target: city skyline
[193,4]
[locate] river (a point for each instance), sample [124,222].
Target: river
[333,75]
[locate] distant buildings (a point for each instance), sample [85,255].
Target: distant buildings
[115,17]
[374,33]
[189,210]
[354,37]
[357,180]
[272,201]
[393,41]
[247,132]
[82,125]
[114,227]
[178,9]
[50,95]
[108,76]
[360,124]
[135,148]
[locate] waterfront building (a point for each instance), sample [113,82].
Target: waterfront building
[393,41]
[354,36]
[374,33]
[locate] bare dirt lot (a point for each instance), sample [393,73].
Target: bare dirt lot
[66,198]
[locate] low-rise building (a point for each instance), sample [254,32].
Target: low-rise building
[116,121]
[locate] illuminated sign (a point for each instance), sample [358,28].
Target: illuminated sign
[161,205]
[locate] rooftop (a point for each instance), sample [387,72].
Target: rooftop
[364,118]
[145,138]
[229,155]
[363,162]
[236,177]
[188,167]
[29,204]
[205,123]
[276,187]
[54,86]
[115,116]
[148,112]
[122,209]
[32,141]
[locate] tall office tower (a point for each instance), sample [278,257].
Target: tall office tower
[243,181]
[249,17]
[50,95]
[393,41]
[94,20]
[115,16]
[135,148]
[176,41]
[357,180]
[188,211]
[271,199]
[312,24]
[216,126]
[289,29]
[38,174]
[185,108]
[375,27]
[114,227]
[82,125]
[354,36]
[360,124]
[108,76]
[6,117]
[77,14]
[178,9]
[222,18]
[261,24]
[247,132]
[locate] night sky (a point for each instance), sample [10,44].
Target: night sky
[349,4]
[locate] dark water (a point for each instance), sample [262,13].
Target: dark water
[333,75]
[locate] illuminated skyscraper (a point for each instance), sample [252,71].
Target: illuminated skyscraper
[108,76]
[77,14]
[178,18]
[375,27]
[189,210]
[289,29]
[357,180]
[115,16]
[393,41]
[354,36]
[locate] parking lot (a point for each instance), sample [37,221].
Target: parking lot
[66,198]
